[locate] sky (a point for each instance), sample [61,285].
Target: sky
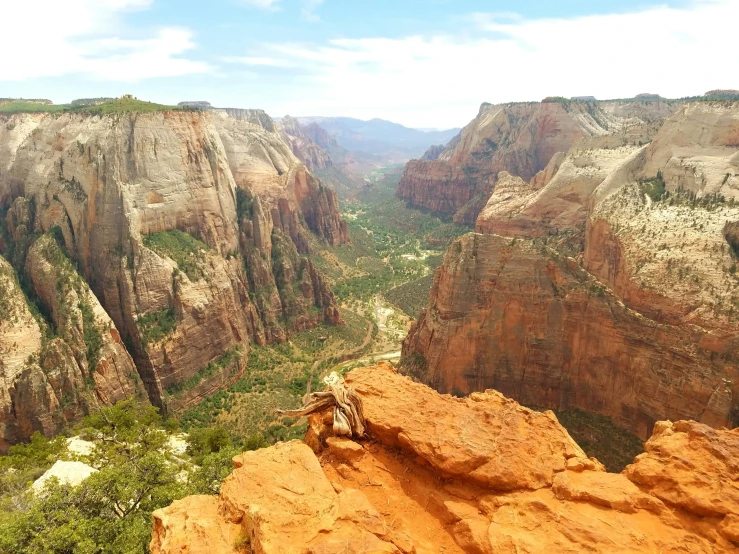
[422,63]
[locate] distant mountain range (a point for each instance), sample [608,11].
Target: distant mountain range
[380,137]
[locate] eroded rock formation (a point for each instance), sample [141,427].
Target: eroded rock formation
[641,322]
[190,228]
[302,145]
[521,139]
[478,475]
[523,320]
[50,378]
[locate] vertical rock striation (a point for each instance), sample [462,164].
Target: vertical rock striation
[535,326]
[640,324]
[302,144]
[171,219]
[520,138]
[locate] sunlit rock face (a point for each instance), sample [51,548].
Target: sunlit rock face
[522,139]
[299,139]
[475,475]
[607,282]
[197,219]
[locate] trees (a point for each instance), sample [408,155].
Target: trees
[109,512]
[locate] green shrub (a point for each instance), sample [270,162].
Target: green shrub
[244,204]
[204,441]
[29,106]
[654,188]
[92,334]
[599,437]
[156,325]
[226,359]
[125,105]
[412,297]
[185,250]
[110,511]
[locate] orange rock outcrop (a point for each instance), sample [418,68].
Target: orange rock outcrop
[479,475]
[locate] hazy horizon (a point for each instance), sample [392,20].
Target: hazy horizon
[421,64]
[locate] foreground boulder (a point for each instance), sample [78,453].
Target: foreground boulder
[480,474]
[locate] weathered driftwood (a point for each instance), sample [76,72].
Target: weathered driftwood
[348,415]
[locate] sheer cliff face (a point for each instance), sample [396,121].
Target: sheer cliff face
[642,325]
[302,144]
[522,140]
[172,219]
[535,326]
[45,380]
[671,260]
[480,475]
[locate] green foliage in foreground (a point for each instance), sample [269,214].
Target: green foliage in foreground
[110,512]
[184,250]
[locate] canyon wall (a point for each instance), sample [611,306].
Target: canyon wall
[520,138]
[190,230]
[606,282]
[534,325]
[302,144]
[478,475]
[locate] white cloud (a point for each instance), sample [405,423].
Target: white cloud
[262,4]
[440,80]
[52,38]
[308,11]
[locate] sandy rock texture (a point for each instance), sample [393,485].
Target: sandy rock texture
[402,494]
[522,139]
[67,473]
[190,231]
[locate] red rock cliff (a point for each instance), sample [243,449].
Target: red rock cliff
[518,138]
[641,324]
[521,319]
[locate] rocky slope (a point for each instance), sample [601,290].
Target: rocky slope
[522,139]
[191,229]
[641,324]
[477,475]
[534,325]
[47,380]
[302,144]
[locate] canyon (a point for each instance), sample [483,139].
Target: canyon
[154,248]
[521,138]
[480,474]
[187,258]
[602,272]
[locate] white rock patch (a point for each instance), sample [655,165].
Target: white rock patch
[68,473]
